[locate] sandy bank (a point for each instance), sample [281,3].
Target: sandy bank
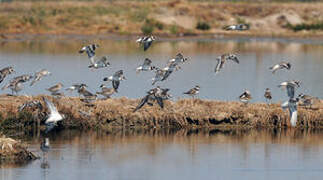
[117,113]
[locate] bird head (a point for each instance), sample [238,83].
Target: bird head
[11,70]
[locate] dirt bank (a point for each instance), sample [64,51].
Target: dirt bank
[117,113]
[164,18]
[12,151]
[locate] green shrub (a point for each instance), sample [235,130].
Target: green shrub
[173,29]
[304,26]
[203,26]
[147,28]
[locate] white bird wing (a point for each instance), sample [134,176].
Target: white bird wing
[293,113]
[52,108]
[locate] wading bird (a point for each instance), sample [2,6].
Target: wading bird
[193,92]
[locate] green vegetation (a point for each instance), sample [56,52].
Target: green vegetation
[204,26]
[173,29]
[304,26]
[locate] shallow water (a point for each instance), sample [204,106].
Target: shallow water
[61,57]
[165,154]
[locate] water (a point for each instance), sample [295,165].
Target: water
[178,155]
[61,57]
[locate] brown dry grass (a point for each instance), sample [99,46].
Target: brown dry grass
[117,113]
[172,17]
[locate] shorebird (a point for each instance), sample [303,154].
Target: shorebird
[146,66]
[90,51]
[222,59]
[193,92]
[106,92]
[291,105]
[146,41]
[179,58]
[290,86]
[5,72]
[101,63]
[245,97]
[85,93]
[39,75]
[282,65]
[16,84]
[156,94]
[238,27]
[159,75]
[54,115]
[75,87]
[116,78]
[267,95]
[307,100]
[54,89]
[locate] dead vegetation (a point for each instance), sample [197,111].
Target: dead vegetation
[117,113]
[170,18]
[12,151]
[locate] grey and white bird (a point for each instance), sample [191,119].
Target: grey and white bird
[53,117]
[194,91]
[89,50]
[45,146]
[16,84]
[75,87]
[238,27]
[54,89]
[5,72]
[101,63]
[291,105]
[267,95]
[171,67]
[281,65]
[106,92]
[307,100]
[222,59]
[146,66]
[179,58]
[146,41]
[159,75]
[245,97]
[39,75]
[290,86]
[116,78]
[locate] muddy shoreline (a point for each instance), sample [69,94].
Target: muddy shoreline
[183,113]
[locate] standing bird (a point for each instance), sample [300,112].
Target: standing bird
[75,87]
[222,59]
[45,146]
[146,66]
[85,93]
[106,92]
[101,63]
[193,92]
[16,84]
[245,97]
[54,115]
[5,72]
[90,51]
[267,95]
[307,100]
[282,65]
[146,41]
[54,89]
[39,75]
[116,78]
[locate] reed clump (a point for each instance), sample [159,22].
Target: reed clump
[118,113]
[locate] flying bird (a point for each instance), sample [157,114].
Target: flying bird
[16,84]
[193,92]
[159,75]
[290,86]
[116,78]
[238,27]
[53,117]
[101,63]
[146,41]
[89,50]
[5,72]
[39,75]
[291,105]
[282,65]
[146,66]
[222,59]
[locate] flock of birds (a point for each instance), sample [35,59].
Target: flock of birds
[156,94]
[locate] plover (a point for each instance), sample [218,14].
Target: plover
[106,92]
[90,50]
[156,94]
[222,59]
[5,72]
[267,95]
[193,92]
[282,65]
[54,89]
[85,93]
[238,27]
[146,41]
[53,117]
[101,63]
[39,75]
[146,66]
[75,87]
[116,78]
[290,86]
[245,97]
